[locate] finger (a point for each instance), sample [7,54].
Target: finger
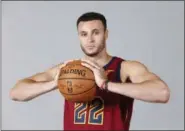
[88,66]
[57,73]
[69,61]
[61,66]
[90,63]
[66,62]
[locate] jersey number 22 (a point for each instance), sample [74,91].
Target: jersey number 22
[95,114]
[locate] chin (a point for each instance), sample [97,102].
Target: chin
[91,53]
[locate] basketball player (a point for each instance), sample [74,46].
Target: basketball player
[119,83]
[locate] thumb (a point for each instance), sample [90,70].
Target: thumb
[61,66]
[58,72]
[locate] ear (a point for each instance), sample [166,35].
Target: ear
[106,34]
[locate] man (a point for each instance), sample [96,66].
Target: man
[119,82]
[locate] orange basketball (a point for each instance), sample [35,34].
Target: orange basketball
[76,82]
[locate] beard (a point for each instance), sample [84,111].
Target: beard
[95,51]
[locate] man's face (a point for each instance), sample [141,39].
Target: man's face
[92,37]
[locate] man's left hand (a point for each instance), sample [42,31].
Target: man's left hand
[99,72]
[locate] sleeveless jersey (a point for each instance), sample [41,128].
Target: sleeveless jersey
[108,111]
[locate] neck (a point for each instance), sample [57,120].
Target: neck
[102,58]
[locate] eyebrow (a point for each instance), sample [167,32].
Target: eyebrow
[92,30]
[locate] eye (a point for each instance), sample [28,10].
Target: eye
[83,34]
[96,32]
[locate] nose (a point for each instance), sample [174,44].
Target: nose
[90,39]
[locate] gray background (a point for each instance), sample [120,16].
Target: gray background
[39,35]
[1,56]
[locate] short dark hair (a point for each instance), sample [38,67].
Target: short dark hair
[92,16]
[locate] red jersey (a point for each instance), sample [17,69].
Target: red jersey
[108,111]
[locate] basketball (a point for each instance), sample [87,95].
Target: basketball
[76,82]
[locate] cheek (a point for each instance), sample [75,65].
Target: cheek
[99,38]
[82,41]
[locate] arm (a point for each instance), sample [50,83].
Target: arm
[145,86]
[36,85]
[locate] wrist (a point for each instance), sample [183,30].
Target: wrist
[104,85]
[49,85]
[53,84]
[108,86]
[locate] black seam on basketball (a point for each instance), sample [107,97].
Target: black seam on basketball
[81,92]
[76,78]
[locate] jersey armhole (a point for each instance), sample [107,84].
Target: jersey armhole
[118,72]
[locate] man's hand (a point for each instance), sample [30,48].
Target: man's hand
[99,73]
[58,71]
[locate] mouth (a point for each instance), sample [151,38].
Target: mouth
[90,47]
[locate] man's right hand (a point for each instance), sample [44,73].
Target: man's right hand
[58,71]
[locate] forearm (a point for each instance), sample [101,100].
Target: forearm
[150,91]
[29,89]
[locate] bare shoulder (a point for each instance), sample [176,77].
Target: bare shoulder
[137,71]
[134,67]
